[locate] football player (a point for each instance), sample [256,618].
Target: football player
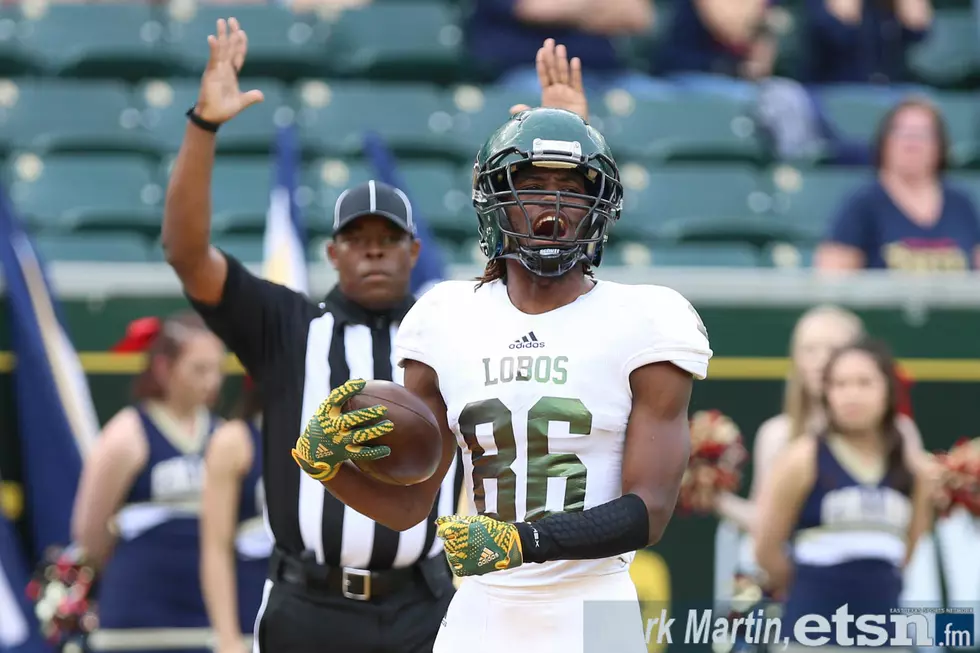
[567,395]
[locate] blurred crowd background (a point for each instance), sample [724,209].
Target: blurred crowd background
[737,125]
[761,143]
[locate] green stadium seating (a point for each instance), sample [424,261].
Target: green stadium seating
[653,196]
[684,128]
[809,199]
[409,40]
[855,111]
[637,254]
[280,43]
[164,103]
[727,255]
[788,255]
[102,248]
[436,196]
[413,119]
[478,112]
[120,40]
[50,115]
[15,61]
[70,192]
[316,250]
[322,182]
[240,194]
[453,251]
[950,56]
[246,248]
[963,122]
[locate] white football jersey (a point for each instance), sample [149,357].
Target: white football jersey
[539,403]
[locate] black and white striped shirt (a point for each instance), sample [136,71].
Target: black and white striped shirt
[296,351]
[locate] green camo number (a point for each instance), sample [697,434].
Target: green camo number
[541,465]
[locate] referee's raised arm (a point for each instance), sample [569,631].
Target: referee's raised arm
[187,213]
[251,315]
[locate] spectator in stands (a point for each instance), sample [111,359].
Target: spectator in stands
[862,41]
[719,45]
[908,218]
[817,334]
[235,547]
[504,35]
[136,510]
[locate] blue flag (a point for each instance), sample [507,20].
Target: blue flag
[18,626]
[284,245]
[431,267]
[56,419]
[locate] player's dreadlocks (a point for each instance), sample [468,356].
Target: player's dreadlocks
[497,270]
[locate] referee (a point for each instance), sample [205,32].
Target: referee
[337,579]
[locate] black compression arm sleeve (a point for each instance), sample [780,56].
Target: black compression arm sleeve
[614,528]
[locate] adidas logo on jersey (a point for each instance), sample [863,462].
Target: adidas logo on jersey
[530,341]
[487,557]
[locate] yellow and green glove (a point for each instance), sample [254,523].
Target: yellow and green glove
[479,545]
[330,436]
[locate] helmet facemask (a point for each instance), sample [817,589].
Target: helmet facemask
[550,239]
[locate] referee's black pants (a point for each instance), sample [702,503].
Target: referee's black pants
[311,608]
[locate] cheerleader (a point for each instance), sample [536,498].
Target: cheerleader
[136,511]
[840,514]
[235,546]
[819,332]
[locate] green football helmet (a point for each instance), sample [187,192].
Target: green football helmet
[548,139]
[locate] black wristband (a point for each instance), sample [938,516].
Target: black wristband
[620,526]
[206,125]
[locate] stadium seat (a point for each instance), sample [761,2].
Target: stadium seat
[788,255]
[855,111]
[809,199]
[15,60]
[433,189]
[281,43]
[163,105]
[726,255]
[51,115]
[949,56]
[240,194]
[246,248]
[407,40]
[684,128]
[963,121]
[478,112]
[411,118]
[77,192]
[453,251]
[102,248]
[121,40]
[321,185]
[655,196]
[316,250]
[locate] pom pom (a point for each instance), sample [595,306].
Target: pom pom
[717,458]
[60,592]
[960,478]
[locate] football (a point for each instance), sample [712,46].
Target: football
[416,442]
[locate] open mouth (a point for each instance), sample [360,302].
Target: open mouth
[553,226]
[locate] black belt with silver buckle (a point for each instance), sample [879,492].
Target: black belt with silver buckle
[356,584]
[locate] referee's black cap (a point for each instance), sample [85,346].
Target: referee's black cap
[373,198]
